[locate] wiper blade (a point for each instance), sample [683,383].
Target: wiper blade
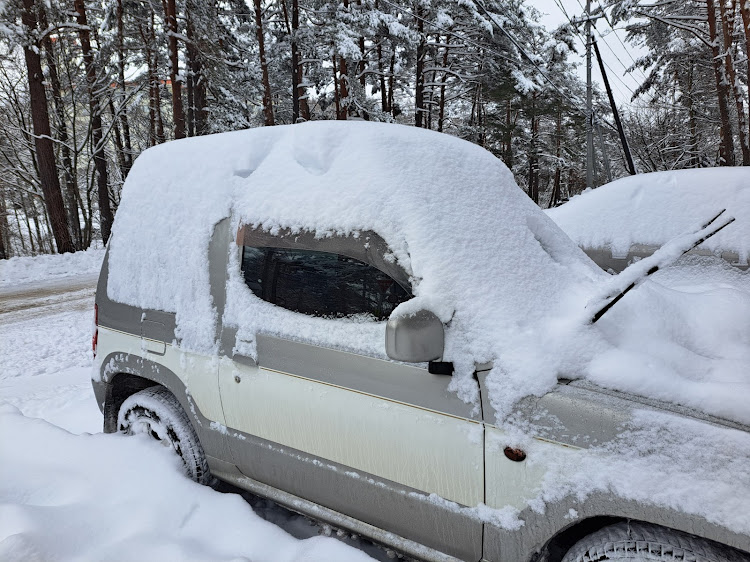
[664,256]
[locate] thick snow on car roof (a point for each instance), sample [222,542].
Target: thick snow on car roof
[653,208]
[480,253]
[509,284]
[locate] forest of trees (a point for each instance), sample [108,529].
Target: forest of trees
[86,85]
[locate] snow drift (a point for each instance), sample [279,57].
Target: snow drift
[112,497]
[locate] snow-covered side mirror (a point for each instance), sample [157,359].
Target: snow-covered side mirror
[415,338]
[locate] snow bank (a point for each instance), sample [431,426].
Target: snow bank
[18,271]
[88,497]
[653,208]
[431,197]
[45,360]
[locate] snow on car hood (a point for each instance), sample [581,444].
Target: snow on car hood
[653,208]
[508,283]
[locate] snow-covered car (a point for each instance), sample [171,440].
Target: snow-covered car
[372,325]
[630,218]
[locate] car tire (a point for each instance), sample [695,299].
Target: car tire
[156,412]
[641,542]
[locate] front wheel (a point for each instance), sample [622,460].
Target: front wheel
[156,412]
[641,542]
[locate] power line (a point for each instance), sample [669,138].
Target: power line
[583,43]
[611,50]
[574,102]
[515,43]
[612,27]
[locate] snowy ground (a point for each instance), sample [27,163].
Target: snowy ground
[69,492]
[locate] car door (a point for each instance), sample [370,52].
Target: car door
[316,410]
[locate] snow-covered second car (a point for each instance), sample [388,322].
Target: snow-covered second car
[325,314]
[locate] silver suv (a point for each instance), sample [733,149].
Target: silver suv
[368,440]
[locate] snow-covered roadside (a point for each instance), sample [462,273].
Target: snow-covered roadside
[49,270]
[109,497]
[45,364]
[69,492]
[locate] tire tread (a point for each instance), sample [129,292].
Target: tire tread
[641,541]
[168,410]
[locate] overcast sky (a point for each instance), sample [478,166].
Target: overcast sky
[617,53]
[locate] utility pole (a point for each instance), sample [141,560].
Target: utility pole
[589,104]
[603,148]
[613,105]
[588,19]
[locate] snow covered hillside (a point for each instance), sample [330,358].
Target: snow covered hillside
[69,492]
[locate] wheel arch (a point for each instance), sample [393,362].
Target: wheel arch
[556,547]
[124,374]
[546,536]
[120,387]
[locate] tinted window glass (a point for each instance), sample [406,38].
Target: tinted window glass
[319,283]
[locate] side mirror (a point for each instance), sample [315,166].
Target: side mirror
[415,339]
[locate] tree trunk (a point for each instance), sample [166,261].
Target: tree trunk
[27,217]
[190,116]
[155,123]
[430,104]
[304,107]
[722,89]
[151,93]
[106,217]
[47,237]
[726,24]
[18,228]
[342,112]
[343,82]
[123,116]
[119,149]
[152,96]
[745,11]
[391,80]
[267,99]
[555,197]
[441,110]
[45,154]
[300,109]
[178,114]
[533,164]
[361,67]
[4,238]
[198,104]
[692,123]
[419,89]
[381,72]
[510,123]
[71,185]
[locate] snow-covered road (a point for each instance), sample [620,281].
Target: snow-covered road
[45,352]
[69,492]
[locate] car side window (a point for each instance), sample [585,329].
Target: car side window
[320,283]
